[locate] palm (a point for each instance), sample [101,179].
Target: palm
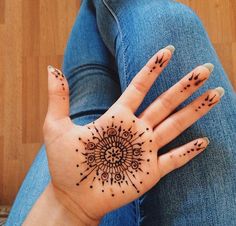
[114,158]
[112,161]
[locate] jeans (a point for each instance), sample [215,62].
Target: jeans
[110,42]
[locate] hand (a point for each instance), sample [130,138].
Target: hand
[110,162]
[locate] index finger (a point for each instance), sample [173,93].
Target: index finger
[142,82]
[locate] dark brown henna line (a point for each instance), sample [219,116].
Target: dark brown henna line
[87,175]
[98,132]
[199,145]
[206,99]
[196,76]
[209,105]
[131,182]
[163,62]
[212,98]
[161,58]
[191,77]
[198,149]
[199,81]
[156,60]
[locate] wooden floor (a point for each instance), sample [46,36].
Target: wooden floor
[33,34]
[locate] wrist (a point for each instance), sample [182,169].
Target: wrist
[53,208]
[74,208]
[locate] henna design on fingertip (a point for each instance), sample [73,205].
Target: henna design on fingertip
[208,101]
[193,80]
[158,61]
[59,76]
[197,146]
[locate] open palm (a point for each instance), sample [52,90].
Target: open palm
[107,163]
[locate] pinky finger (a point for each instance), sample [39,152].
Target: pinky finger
[181,155]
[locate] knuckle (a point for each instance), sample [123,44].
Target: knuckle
[166,103]
[177,124]
[139,86]
[159,140]
[175,163]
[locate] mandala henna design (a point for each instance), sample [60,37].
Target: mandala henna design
[197,147]
[208,101]
[115,154]
[193,80]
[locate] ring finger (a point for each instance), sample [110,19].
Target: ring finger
[181,120]
[177,94]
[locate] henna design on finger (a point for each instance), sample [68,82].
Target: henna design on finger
[193,80]
[208,101]
[114,154]
[197,147]
[59,76]
[160,61]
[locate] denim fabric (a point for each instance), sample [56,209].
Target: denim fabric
[110,42]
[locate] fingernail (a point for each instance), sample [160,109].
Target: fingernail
[51,68]
[220,90]
[209,66]
[207,140]
[171,48]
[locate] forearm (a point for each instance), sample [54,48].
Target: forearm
[48,211]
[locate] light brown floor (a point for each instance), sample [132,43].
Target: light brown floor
[33,34]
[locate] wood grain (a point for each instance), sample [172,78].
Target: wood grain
[33,34]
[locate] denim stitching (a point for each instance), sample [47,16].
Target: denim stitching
[121,35]
[126,78]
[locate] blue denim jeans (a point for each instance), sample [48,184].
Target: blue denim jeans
[110,42]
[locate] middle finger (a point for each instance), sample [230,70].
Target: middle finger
[177,94]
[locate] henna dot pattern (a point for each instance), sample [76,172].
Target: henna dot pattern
[159,61]
[114,154]
[197,147]
[208,101]
[60,76]
[193,80]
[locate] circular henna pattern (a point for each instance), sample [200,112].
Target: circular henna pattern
[114,155]
[90,146]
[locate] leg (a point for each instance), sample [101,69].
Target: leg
[202,192]
[94,86]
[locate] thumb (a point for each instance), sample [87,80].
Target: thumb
[58,94]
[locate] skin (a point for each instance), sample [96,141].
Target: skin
[73,196]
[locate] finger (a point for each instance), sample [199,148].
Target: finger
[58,94]
[181,155]
[142,82]
[181,120]
[177,94]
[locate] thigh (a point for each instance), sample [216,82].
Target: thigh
[94,87]
[202,192]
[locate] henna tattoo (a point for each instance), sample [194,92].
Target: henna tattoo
[159,61]
[59,75]
[115,154]
[208,101]
[193,80]
[197,147]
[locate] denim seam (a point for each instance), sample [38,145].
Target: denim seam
[126,79]
[75,70]
[121,35]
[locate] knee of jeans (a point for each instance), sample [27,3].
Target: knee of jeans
[182,12]
[158,16]
[175,16]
